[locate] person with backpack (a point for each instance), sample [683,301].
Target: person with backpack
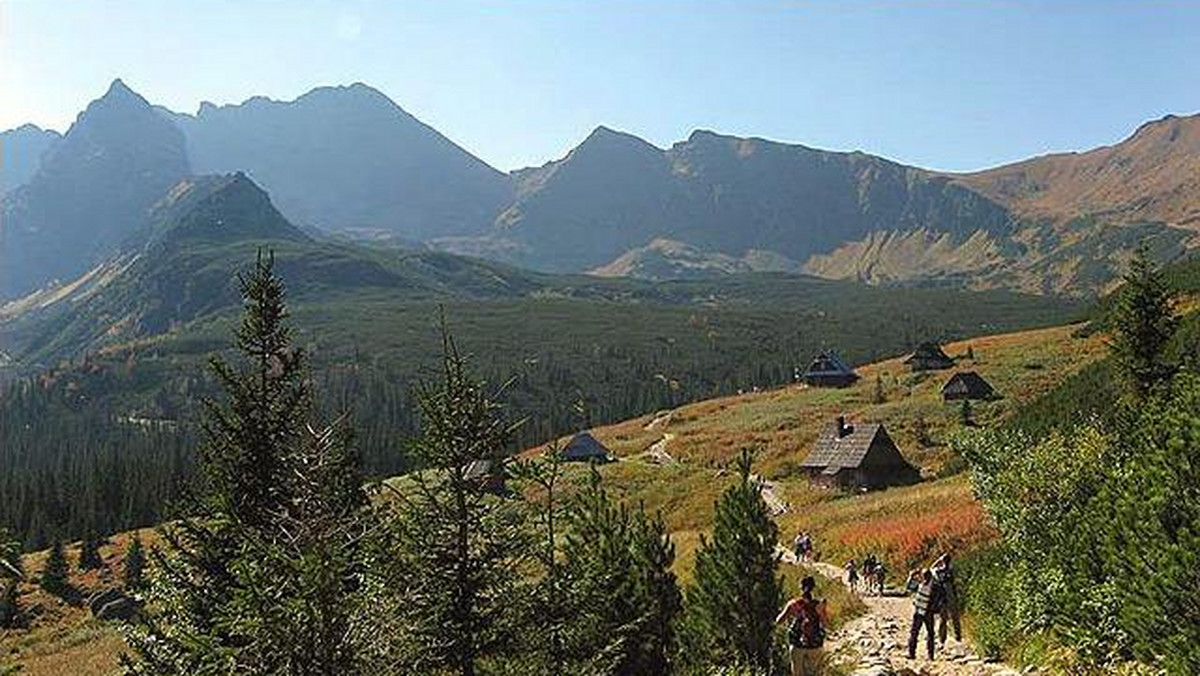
[951,611]
[806,633]
[852,575]
[927,600]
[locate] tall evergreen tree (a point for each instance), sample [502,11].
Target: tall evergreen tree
[1150,509]
[459,545]
[54,578]
[624,597]
[261,575]
[737,590]
[133,570]
[1143,322]
[89,552]
[549,599]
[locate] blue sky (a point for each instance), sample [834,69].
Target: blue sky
[946,85]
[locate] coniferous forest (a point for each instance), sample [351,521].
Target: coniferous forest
[284,561]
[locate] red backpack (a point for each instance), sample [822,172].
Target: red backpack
[806,630]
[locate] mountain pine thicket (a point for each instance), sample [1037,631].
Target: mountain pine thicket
[285,562]
[1099,547]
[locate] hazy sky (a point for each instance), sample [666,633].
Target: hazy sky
[938,84]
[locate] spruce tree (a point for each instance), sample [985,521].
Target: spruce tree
[89,553]
[459,545]
[737,591]
[965,414]
[54,573]
[262,574]
[624,596]
[1143,322]
[549,600]
[132,572]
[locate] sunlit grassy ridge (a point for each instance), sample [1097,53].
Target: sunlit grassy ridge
[903,524]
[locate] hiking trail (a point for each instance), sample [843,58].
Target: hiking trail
[876,643]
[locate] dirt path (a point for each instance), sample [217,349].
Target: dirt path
[876,644]
[776,505]
[657,453]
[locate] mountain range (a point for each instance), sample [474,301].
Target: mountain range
[348,163]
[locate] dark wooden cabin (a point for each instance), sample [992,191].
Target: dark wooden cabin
[583,447]
[857,457]
[929,357]
[967,385]
[487,476]
[828,370]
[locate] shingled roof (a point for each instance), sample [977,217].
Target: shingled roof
[834,451]
[929,355]
[968,385]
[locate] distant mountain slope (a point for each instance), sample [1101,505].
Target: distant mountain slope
[664,259]
[90,193]
[348,158]
[198,237]
[21,152]
[1152,176]
[727,195]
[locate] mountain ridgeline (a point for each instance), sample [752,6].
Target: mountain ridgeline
[348,162]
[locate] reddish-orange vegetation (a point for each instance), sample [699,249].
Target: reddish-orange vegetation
[916,539]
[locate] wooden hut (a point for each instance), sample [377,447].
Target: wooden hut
[929,357]
[487,476]
[583,447]
[857,457]
[828,370]
[967,385]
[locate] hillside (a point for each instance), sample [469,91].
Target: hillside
[683,475]
[673,459]
[1152,176]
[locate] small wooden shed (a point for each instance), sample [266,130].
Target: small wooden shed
[857,457]
[929,357]
[828,370]
[967,385]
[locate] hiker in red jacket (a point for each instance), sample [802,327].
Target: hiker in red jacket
[806,633]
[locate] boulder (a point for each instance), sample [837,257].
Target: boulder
[123,608]
[103,597]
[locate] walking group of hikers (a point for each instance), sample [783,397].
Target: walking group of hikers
[934,592]
[872,573]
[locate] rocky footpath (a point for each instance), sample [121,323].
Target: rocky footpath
[876,644]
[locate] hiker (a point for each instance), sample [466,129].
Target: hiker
[806,633]
[852,575]
[807,547]
[951,611]
[879,572]
[798,546]
[927,599]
